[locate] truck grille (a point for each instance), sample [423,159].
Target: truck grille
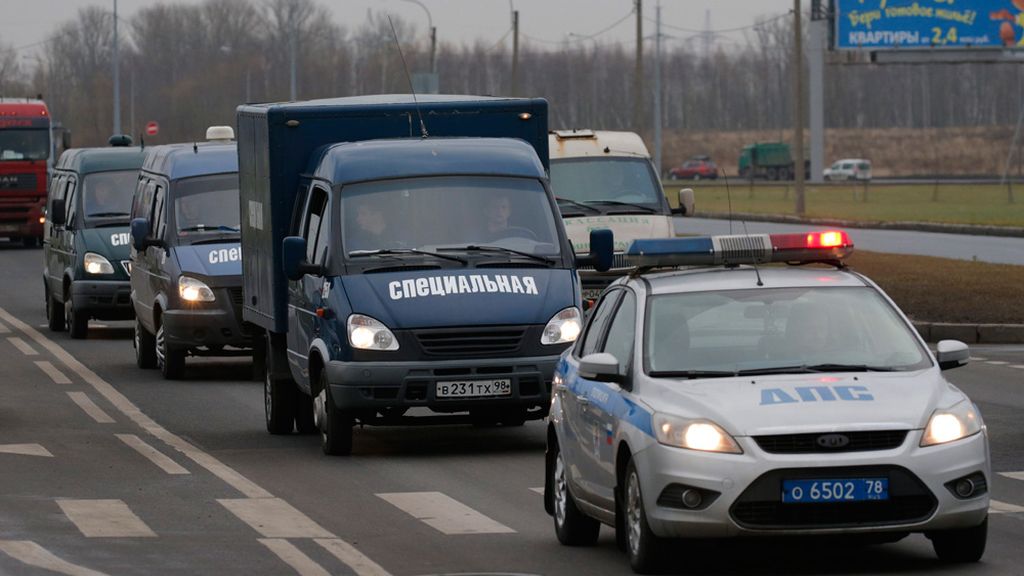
[495,340]
[18,181]
[618,262]
[808,443]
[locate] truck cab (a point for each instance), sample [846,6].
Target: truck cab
[86,238]
[186,274]
[605,179]
[423,279]
[26,155]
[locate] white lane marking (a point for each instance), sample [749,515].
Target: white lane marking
[978,359]
[90,407]
[539,490]
[292,556]
[997,507]
[152,454]
[4,329]
[55,374]
[25,348]
[105,519]
[274,518]
[25,450]
[1017,366]
[28,552]
[1014,475]
[353,558]
[444,513]
[996,362]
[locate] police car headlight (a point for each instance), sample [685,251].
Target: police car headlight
[97,264]
[563,327]
[365,333]
[702,435]
[193,290]
[958,422]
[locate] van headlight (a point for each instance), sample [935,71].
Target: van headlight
[97,264]
[960,421]
[702,435]
[365,333]
[194,290]
[563,327]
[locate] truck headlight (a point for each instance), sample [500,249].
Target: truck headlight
[97,264]
[193,290]
[702,435]
[365,333]
[563,327]
[957,422]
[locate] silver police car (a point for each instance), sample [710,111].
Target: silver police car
[711,398]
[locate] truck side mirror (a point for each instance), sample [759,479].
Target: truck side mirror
[602,250]
[65,139]
[57,213]
[686,203]
[140,234]
[293,259]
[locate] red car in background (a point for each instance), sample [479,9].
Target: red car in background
[696,168]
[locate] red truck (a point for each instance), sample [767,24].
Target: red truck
[26,150]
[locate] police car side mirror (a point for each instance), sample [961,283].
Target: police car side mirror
[293,259]
[687,204]
[602,250]
[952,354]
[57,214]
[602,367]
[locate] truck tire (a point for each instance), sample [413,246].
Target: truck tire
[336,425]
[54,313]
[773,173]
[145,346]
[30,241]
[77,321]
[169,359]
[279,395]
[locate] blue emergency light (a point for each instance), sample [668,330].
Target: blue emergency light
[828,246]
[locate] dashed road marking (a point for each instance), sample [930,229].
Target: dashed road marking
[32,554]
[996,362]
[978,359]
[53,372]
[1017,366]
[444,513]
[4,329]
[105,519]
[997,507]
[90,407]
[274,518]
[355,559]
[1013,475]
[292,556]
[25,450]
[152,454]
[23,346]
[538,490]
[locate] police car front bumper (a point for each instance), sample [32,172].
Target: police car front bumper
[103,299]
[212,325]
[745,491]
[365,386]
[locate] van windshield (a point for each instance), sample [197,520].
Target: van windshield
[448,213]
[205,204]
[619,185]
[107,196]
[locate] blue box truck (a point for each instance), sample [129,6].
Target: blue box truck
[404,261]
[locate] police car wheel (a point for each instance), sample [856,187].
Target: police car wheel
[279,403]
[170,360]
[145,346]
[54,313]
[77,322]
[962,545]
[572,527]
[336,427]
[643,546]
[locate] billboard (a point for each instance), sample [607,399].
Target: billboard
[928,24]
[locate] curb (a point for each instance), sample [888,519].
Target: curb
[971,333]
[969,229]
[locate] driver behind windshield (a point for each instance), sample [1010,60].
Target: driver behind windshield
[104,200]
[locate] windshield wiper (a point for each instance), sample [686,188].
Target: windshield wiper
[575,203]
[814,368]
[206,227]
[691,374]
[403,251]
[647,209]
[490,248]
[105,214]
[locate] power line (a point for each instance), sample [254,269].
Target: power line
[576,38]
[500,40]
[724,30]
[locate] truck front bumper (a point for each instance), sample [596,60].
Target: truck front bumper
[103,299]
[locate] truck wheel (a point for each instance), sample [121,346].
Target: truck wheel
[169,359]
[145,346]
[279,395]
[335,425]
[572,527]
[30,241]
[642,545]
[305,421]
[77,321]
[54,313]
[962,545]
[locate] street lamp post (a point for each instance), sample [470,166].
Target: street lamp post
[433,35]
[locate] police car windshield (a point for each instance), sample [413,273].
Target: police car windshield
[777,331]
[205,205]
[27,144]
[616,185]
[450,214]
[107,196]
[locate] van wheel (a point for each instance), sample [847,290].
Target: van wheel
[572,527]
[170,360]
[77,322]
[54,313]
[962,545]
[335,425]
[642,545]
[145,346]
[305,421]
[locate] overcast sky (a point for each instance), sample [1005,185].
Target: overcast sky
[542,22]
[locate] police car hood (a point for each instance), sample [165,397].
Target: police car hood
[788,404]
[626,228]
[113,242]
[210,260]
[461,297]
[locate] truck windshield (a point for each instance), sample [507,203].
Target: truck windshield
[24,144]
[609,184]
[205,204]
[777,331]
[450,212]
[107,196]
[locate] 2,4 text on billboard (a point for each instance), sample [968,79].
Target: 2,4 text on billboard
[928,24]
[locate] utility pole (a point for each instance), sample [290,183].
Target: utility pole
[291,48]
[515,52]
[117,79]
[638,72]
[798,108]
[817,35]
[657,91]
[433,49]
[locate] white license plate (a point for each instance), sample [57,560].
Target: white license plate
[592,294]
[474,388]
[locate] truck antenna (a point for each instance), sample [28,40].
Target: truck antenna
[423,127]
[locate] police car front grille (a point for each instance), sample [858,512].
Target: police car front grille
[808,443]
[618,262]
[470,342]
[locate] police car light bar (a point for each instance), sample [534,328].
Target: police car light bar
[828,246]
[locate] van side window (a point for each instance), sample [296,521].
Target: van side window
[159,219]
[69,203]
[139,198]
[146,202]
[315,229]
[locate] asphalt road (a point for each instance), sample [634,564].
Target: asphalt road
[108,469]
[996,249]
